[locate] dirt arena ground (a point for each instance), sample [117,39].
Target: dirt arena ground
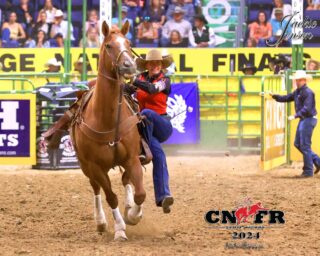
[51,213]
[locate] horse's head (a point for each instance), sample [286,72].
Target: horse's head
[117,51]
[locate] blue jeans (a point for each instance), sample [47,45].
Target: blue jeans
[303,143]
[158,129]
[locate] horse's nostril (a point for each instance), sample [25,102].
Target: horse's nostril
[126,63]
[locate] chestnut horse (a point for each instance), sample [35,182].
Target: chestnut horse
[105,134]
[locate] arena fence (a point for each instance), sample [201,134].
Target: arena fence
[230,106]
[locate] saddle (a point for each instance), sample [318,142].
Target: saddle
[73,116]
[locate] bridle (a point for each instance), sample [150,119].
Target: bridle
[117,68]
[115,64]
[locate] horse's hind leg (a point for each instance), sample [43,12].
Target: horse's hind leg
[99,215]
[133,206]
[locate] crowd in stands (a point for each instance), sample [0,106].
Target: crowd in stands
[164,23]
[43,24]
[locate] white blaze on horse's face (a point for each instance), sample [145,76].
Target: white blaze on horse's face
[119,51]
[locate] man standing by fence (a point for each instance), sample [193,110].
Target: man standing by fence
[305,106]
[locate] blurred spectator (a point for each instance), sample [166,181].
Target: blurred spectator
[156,12]
[78,66]
[93,20]
[277,23]
[52,66]
[41,25]
[280,30]
[175,39]
[201,35]
[177,23]
[25,13]
[187,8]
[313,5]
[92,39]
[312,65]
[61,26]
[165,3]
[40,41]
[131,3]
[251,42]
[13,33]
[146,32]
[249,69]
[280,63]
[261,29]
[57,41]
[50,10]
[287,10]
[115,21]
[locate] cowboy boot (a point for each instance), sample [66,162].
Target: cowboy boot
[146,155]
[54,134]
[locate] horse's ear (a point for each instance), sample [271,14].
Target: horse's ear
[105,29]
[125,28]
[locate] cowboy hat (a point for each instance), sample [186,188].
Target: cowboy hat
[58,13]
[178,9]
[154,55]
[201,18]
[53,62]
[249,66]
[301,74]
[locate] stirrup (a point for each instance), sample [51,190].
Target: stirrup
[146,156]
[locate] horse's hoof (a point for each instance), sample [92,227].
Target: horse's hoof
[120,236]
[129,219]
[102,227]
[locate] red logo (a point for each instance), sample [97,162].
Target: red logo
[247,210]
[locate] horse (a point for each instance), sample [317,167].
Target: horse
[105,134]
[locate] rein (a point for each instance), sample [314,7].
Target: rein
[117,138]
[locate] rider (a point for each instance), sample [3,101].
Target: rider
[153,88]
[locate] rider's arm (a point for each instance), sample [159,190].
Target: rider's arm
[162,85]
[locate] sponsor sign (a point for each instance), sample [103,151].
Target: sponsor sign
[17,129]
[183,108]
[274,130]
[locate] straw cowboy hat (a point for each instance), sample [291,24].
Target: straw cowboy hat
[301,74]
[154,55]
[58,13]
[53,62]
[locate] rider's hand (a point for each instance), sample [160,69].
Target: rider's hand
[290,118]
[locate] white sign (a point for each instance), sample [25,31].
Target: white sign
[9,115]
[297,7]
[105,14]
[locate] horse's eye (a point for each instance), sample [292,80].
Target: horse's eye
[108,46]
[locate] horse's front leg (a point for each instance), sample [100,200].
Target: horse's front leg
[99,215]
[133,202]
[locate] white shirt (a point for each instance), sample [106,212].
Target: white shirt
[183,27]
[62,29]
[212,38]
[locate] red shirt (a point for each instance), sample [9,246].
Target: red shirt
[152,92]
